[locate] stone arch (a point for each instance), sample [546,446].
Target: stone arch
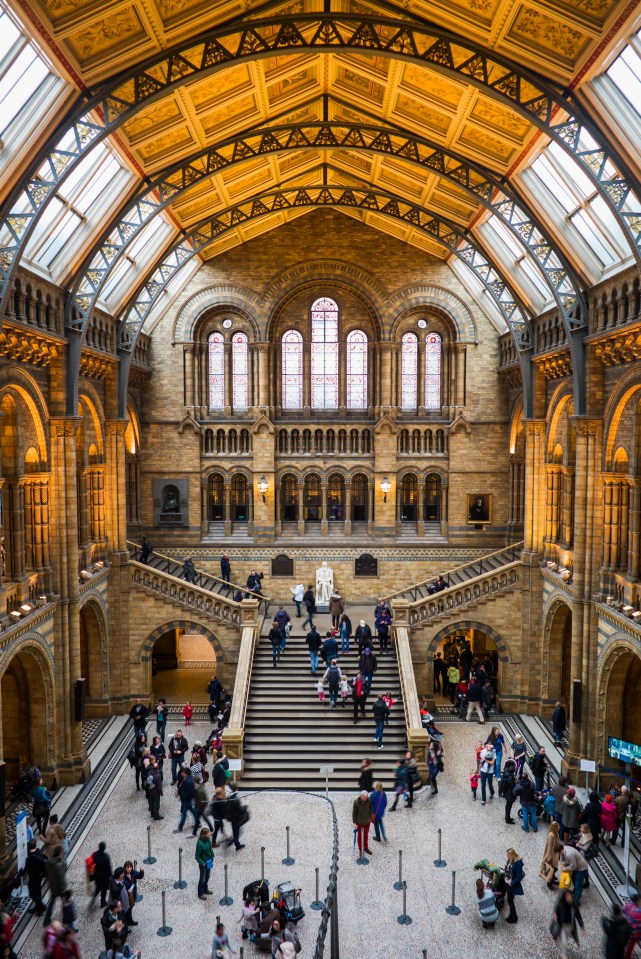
[88,399]
[30,394]
[246,301]
[557,409]
[557,650]
[623,393]
[501,643]
[620,661]
[32,659]
[148,644]
[334,288]
[94,650]
[413,299]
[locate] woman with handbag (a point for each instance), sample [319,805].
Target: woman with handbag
[205,858]
[550,860]
[130,880]
[514,873]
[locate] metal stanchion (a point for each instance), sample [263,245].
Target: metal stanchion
[439,862]
[399,884]
[241,952]
[138,896]
[334,945]
[453,909]
[227,899]
[164,930]
[150,860]
[424,953]
[404,919]
[288,861]
[317,904]
[181,884]
[262,864]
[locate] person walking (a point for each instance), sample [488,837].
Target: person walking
[55,836]
[237,815]
[139,754]
[36,870]
[608,818]
[439,674]
[453,679]
[186,792]
[56,870]
[225,568]
[276,639]
[435,765]
[314,644]
[550,859]
[359,696]
[519,754]
[617,933]
[382,623]
[161,718]
[525,790]
[189,570]
[367,665]
[361,818]
[474,701]
[497,740]
[204,856]
[310,606]
[558,791]
[139,714]
[378,799]
[571,810]
[539,767]
[336,608]
[508,784]
[413,777]
[363,636]
[573,861]
[41,807]
[283,619]
[632,913]
[592,816]
[366,775]
[298,591]
[514,882]
[329,649]
[488,763]
[622,802]
[101,872]
[154,790]
[146,549]
[559,723]
[333,677]
[400,782]
[345,632]
[380,711]
[178,746]
[566,921]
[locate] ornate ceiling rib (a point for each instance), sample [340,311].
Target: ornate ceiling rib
[206,232]
[106,110]
[481,184]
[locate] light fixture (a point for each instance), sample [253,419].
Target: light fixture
[385,487]
[15,614]
[263,486]
[27,607]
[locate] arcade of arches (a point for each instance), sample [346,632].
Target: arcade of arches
[336,297]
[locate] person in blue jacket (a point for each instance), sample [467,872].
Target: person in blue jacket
[378,799]
[514,873]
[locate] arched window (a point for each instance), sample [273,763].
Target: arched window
[216,372]
[433,371]
[324,354]
[240,371]
[357,370]
[409,368]
[292,348]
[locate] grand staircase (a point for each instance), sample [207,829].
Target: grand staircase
[289,735]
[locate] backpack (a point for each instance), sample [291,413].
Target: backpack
[333,675]
[295,941]
[227,775]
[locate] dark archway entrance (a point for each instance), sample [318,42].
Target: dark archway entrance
[182,663]
[560,655]
[450,643]
[24,716]
[91,646]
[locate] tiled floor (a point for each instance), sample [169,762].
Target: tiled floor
[368,905]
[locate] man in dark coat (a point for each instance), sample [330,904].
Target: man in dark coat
[214,689]
[102,872]
[314,643]
[225,568]
[309,602]
[139,714]
[35,868]
[559,722]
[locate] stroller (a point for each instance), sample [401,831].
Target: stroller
[291,906]
[23,787]
[540,804]
[258,890]
[495,880]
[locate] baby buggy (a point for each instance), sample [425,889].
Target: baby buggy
[495,880]
[258,890]
[540,805]
[23,787]
[289,898]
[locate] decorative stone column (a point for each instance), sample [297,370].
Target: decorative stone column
[190,397]
[634,529]
[324,524]
[112,514]
[301,509]
[386,374]
[460,359]
[348,508]
[420,509]
[624,520]
[228,521]
[229,400]
[263,375]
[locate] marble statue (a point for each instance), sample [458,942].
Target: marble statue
[324,584]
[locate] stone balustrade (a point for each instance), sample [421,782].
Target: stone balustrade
[174,590]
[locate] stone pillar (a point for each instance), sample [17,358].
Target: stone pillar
[190,398]
[348,508]
[263,375]
[204,507]
[386,375]
[324,523]
[301,509]
[228,521]
[421,377]
[624,517]
[229,400]
[114,513]
[420,509]
[634,529]
[17,530]
[615,514]
[531,587]
[533,531]
[307,377]
[460,356]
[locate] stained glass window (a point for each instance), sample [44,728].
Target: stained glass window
[324,354]
[292,370]
[216,372]
[240,371]
[357,370]
[432,371]
[409,371]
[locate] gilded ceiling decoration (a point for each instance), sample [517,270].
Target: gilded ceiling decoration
[554,38]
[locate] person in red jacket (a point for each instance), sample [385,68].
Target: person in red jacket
[188,712]
[67,945]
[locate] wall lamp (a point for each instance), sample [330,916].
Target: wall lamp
[263,486]
[385,487]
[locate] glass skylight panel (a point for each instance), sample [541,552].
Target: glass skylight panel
[18,84]
[9,33]
[508,238]
[625,73]
[554,182]
[98,184]
[571,168]
[597,243]
[50,250]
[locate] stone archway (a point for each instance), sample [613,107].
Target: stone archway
[556,671]
[474,628]
[618,700]
[94,658]
[28,711]
[180,658]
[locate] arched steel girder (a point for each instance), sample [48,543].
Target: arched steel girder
[481,184]
[104,111]
[442,231]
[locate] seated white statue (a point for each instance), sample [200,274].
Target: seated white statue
[324,584]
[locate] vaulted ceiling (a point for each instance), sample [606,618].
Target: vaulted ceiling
[97,40]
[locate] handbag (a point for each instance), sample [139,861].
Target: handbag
[209,863]
[555,929]
[547,872]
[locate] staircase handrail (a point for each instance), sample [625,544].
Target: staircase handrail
[456,569]
[135,548]
[242,682]
[417,736]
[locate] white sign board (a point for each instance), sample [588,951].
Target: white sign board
[588,766]
[235,765]
[326,770]
[21,839]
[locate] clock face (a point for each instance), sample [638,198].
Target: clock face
[422,324]
[226,324]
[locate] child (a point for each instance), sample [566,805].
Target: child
[69,914]
[474,783]
[389,701]
[549,805]
[321,691]
[188,712]
[479,749]
[248,919]
[344,690]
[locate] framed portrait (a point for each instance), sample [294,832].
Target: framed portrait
[479,509]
